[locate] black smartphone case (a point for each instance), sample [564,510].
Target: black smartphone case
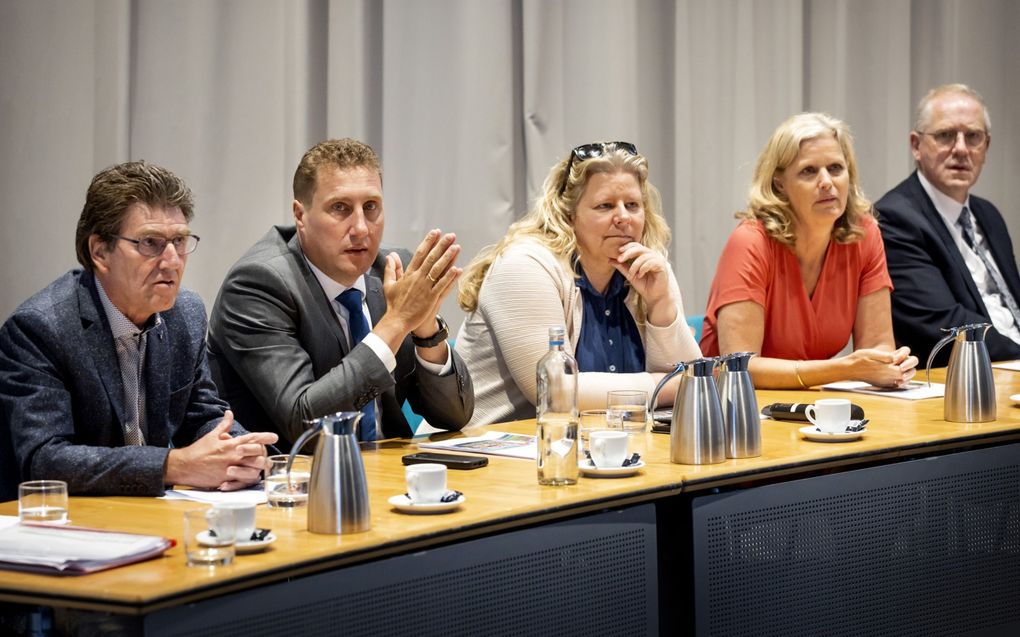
[450,460]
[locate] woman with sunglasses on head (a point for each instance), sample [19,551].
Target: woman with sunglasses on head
[806,269]
[591,255]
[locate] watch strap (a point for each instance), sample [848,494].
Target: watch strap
[436,338]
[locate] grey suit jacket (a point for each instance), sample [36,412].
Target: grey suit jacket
[933,287]
[279,356]
[61,394]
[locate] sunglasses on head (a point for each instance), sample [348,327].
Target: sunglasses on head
[585,152]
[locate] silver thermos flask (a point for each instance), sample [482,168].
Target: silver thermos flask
[741,421]
[970,389]
[337,490]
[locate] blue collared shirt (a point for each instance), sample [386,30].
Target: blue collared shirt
[609,340]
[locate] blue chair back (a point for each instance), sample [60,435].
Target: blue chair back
[696,322]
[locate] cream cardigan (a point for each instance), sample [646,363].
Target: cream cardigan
[527,290]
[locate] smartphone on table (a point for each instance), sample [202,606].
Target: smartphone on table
[451,460]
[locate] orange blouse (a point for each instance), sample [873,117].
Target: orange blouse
[755,267]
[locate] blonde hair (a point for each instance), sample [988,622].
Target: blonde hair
[550,222]
[772,208]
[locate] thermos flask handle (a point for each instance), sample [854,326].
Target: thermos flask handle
[653,401]
[935,350]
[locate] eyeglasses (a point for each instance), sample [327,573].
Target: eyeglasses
[947,138]
[154,245]
[585,152]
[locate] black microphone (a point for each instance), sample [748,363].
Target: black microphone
[795,411]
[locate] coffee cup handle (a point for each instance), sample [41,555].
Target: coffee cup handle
[809,411]
[598,445]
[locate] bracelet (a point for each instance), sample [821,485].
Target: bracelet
[796,372]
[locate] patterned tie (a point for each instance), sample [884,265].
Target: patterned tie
[131,356]
[350,299]
[998,284]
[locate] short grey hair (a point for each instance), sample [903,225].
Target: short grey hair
[923,115]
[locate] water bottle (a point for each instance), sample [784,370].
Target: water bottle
[557,415]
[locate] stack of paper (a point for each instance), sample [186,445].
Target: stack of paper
[493,443]
[73,551]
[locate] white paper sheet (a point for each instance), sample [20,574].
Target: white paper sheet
[915,389]
[254,495]
[1013,366]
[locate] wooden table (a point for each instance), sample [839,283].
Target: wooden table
[504,502]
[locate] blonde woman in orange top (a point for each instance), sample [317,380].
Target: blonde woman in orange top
[806,269]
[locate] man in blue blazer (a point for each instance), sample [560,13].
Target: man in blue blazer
[104,381]
[313,319]
[949,252]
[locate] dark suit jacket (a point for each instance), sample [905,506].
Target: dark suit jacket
[279,356]
[61,394]
[933,287]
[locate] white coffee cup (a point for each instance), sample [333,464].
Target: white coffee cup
[426,483]
[831,415]
[608,448]
[244,519]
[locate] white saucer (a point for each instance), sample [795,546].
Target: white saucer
[811,433]
[254,546]
[1016,399]
[589,469]
[248,546]
[404,504]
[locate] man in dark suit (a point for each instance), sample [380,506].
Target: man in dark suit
[949,252]
[313,320]
[104,381]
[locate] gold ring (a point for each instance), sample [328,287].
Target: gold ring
[429,275]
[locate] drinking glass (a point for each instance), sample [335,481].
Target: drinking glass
[43,501]
[209,537]
[283,492]
[633,405]
[598,420]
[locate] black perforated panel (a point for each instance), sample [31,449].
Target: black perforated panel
[927,547]
[591,576]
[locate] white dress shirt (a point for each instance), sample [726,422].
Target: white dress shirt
[374,342]
[949,209]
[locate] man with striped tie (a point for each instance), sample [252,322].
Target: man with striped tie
[315,319]
[949,252]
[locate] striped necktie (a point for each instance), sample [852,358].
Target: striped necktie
[966,222]
[350,299]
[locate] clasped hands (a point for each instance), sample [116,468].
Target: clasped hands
[884,368]
[218,460]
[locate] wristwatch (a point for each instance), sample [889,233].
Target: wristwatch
[436,338]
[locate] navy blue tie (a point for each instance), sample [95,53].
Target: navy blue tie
[358,324]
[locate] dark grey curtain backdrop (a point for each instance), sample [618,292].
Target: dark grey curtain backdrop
[469,102]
